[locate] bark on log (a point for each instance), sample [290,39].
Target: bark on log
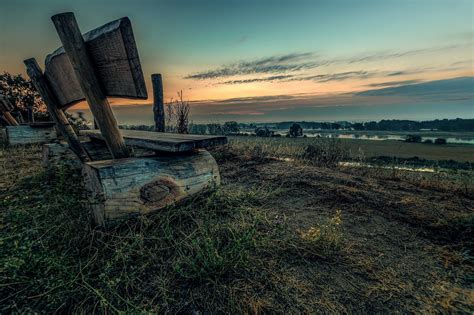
[76,50]
[21,135]
[158,110]
[118,189]
[58,116]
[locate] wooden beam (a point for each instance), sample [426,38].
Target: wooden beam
[31,116]
[58,116]
[158,110]
[5,108]
[9,118]
[76,50]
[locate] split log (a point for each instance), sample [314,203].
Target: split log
[158,109]
[21,135]
[77,53]
[60,154]
[117,189]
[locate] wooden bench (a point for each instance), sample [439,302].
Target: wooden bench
[126,172]
[15,133]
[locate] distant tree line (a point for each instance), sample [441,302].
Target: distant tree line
[295,129]
[457,124]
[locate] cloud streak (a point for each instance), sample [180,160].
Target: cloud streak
[268,65]
[295,62]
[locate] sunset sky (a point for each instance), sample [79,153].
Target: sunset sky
[278,60]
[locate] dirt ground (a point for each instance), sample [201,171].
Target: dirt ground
[406,248]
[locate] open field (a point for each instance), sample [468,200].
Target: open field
[277,237]
[368,149]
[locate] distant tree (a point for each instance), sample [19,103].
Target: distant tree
[296,131]
[263,132]
[231,127]
[215,129]
[413,138]
[358,126]
[428,141]
[197,129]
[440,141]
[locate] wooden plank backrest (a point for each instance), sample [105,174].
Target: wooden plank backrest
[114,56]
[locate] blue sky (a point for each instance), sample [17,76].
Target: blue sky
[324,52]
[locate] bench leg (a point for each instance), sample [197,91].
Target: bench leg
[120,188]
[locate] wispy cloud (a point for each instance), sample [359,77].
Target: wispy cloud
[393,83]
[341,76]
[298,62]
[268,65]
[267,79]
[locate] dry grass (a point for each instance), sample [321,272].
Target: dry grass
[277,237]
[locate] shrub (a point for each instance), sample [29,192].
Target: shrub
[295,131]
[325,153]
[428,141]
[440,141]
[263,132]
[177,115]
[413,138]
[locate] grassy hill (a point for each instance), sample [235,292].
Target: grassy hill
[280,235]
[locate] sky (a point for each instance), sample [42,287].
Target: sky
[275,60]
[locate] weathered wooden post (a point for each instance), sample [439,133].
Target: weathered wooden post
[31,116]
[76,50]
[58,116]
[5,108]
[158,110]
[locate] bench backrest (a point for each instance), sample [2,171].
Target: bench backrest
[114,55]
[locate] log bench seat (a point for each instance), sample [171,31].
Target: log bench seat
[161,141]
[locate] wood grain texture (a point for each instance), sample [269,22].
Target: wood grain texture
[79,57]
[117,189]
[21,135]
[160,141]
[5,108]
[58,116]
[57,154]
[113,55]
[158,103]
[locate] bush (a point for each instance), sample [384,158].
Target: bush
[295,131]
[263,132]
[325,153]
[413,138]
[428,141]
[440,141]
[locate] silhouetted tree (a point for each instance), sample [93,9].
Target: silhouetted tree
[23,96]
[296,131]
[231,127]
